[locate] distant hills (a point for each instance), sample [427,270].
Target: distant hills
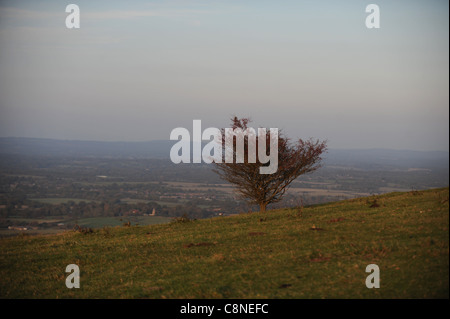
[376,159]
[53,147]
[372,159]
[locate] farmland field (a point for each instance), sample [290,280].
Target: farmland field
[57,200]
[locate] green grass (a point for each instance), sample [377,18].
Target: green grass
[96,222]
[169,204]
[92,222]
[270,255]
[62,200]
[47,219]
[159,202]
[134,201]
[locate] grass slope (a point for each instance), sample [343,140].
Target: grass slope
[278,254]
[97,222]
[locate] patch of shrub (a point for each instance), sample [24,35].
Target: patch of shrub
[182,219]
[84,230]
[374,204]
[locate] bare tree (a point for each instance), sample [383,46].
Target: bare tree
[263,189]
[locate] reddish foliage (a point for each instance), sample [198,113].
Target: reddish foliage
[294,159]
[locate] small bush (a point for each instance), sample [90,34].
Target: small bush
[84,230]
[182,219]
[416,193]
[374,204]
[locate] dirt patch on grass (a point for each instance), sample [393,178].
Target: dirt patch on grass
[337,220]
[320,259]
[316,228]
[198,244]
[285,286]
[257,234]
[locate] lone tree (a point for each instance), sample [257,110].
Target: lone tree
[263,189]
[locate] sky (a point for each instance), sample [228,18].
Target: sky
[136,70]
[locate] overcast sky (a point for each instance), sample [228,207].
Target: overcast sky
[135,70]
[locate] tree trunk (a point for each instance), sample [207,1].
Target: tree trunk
[262,207]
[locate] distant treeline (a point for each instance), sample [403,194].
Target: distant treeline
[82,209]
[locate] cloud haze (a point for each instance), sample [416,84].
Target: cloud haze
[136,70]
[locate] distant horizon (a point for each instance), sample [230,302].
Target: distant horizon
[173,142]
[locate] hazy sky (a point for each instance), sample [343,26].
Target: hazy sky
[135,70]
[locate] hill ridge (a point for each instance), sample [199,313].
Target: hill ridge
[314,252]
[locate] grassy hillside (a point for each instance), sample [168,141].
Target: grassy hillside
[318,252]
[97,222]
